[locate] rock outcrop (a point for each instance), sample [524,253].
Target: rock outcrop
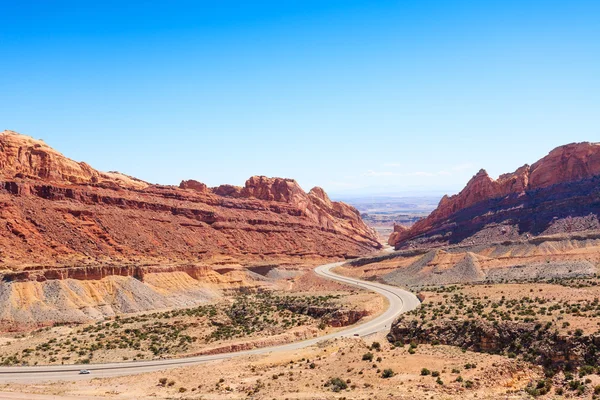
[57,212]
[77,244]
[194,185]
[557,194]
[26,158]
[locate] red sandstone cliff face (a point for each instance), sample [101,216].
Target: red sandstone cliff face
[56,212]
[24,157]
[558,186]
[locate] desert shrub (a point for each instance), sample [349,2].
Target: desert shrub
[387,373]
[337,384]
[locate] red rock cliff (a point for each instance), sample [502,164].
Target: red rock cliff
[55,211]
[554,185]
[24,157]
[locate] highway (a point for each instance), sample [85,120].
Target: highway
[399,301]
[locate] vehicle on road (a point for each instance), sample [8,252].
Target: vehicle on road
[84,372]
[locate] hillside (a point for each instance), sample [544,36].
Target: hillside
[79,244]
[559,194]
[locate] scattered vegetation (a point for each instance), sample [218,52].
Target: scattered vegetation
[180,331]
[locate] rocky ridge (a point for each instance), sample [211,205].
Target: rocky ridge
[79,244]
[56,211]
[557,194]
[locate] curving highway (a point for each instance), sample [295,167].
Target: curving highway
[399,301]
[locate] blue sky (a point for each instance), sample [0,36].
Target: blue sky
[354,96]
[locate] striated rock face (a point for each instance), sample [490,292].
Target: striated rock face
[568,163]
[56,212]
[533,200]
[77,244]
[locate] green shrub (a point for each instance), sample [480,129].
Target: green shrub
[337,384]
[387,373]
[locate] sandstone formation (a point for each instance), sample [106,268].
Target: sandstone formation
[56,211]
[557,194]
[63,221]
[194,185]
[23,157]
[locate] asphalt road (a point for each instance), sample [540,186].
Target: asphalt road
[399,301]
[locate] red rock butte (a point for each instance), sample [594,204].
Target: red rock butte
[59,212]
[558,194]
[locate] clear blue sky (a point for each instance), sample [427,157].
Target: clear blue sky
[368,96]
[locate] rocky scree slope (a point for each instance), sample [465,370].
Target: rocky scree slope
[558,194]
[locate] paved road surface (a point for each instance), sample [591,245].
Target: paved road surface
[399,301]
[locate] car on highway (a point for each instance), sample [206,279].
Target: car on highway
[84,372]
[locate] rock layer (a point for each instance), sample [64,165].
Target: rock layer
[77,244]
[57,212]
[557,194]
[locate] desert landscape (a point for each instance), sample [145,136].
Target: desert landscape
[383,212]
[300,200]
[513,300]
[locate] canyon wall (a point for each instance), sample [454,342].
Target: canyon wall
[58,212]
[558,194]
[77,244]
